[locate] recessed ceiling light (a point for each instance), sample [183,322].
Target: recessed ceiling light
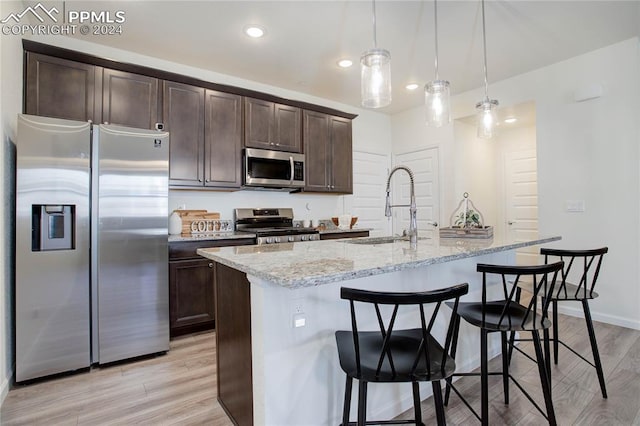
[254,31]
[510,120]
[412,86]
[345,63]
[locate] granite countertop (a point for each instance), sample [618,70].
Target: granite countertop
[306,264]
[210,236]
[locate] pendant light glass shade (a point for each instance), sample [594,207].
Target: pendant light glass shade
[486,115]
[486,109]
[436,92]
[436,97]
[375,73]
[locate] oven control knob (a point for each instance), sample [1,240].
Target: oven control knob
[304,238]
[269,240]
[291,238]
[276,239]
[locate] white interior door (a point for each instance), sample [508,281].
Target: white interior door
[370,173]
[521,197]
[424,165]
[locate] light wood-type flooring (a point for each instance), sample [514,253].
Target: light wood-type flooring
[179,388]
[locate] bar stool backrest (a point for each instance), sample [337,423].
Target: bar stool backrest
[542,279]
[418,300]
[591,261]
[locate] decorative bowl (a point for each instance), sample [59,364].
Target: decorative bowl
[354,219]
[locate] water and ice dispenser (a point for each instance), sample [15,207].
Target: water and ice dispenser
[53,227]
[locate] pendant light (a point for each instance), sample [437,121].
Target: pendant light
[375,73]
[486,109]
[436,92]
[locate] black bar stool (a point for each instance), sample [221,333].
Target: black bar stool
[507,315]
[391,355]
[586,276]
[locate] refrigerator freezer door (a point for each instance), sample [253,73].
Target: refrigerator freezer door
[131,260]
[52,285]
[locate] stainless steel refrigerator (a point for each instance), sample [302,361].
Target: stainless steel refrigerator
[91,245]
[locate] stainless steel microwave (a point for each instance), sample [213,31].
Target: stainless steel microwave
[274,169]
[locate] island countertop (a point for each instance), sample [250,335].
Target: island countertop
[307,264]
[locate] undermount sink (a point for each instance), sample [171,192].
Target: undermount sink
[380,240]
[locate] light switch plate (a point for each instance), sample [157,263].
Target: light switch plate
[575,206]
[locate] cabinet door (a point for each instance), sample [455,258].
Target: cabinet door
[60,88]
[191,294]
[288,131]
[258,123]
[223,139]
[183,117]
[129,99]
[317,153]
[341,155]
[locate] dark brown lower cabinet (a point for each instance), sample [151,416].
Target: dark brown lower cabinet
[191,285]
[191,294]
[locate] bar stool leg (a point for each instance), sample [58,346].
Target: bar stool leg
[437,400]
[346,408]
[484,379]
[362,403]
[544,380]
[555,332]
[547,356]
[454,346]
[594,347]
[505,366]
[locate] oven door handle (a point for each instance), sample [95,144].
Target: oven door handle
[291,165]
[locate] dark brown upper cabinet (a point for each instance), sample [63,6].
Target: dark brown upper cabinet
[205,128]
[60,88]
[269,125]
[223,140]
[130,99]
[328,153]
[183,117]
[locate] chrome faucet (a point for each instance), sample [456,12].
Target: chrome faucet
[413,222]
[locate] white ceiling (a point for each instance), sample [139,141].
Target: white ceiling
[305,39]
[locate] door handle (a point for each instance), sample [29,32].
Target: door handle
[291,165]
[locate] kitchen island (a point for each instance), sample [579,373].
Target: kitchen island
[278,306]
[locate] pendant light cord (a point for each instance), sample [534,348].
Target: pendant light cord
[484,45]
[375,39]
[435,17]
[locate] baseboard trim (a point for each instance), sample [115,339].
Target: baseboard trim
[4,387]
[609,319]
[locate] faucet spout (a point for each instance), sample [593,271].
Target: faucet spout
[413,221]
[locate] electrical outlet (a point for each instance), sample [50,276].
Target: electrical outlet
[575,206]
[299,320]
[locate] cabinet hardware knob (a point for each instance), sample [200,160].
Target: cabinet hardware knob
[199,180]
[207,180]
[271,143]
[210,264]
[277,144]
[333,186]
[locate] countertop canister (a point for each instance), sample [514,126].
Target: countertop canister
[175,224]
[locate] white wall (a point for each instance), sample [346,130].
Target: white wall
[586,151]
[10,106]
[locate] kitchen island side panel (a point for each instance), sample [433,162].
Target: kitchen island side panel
[233,344]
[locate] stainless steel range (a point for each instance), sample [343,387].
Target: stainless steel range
[272,226]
